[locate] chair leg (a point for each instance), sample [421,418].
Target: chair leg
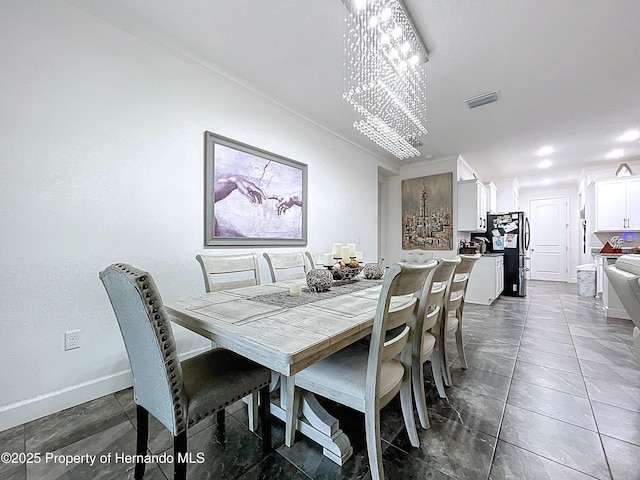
[275,381]
[444,363]
[252,410]
[141,444]
[265,419]
[179,456]
[419,394]
[436,369]
[374,448]
[220,427]
[406,401]
[459,344]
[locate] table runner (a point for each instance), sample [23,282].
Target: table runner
[283,299]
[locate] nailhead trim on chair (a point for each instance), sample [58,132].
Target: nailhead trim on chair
[158,317]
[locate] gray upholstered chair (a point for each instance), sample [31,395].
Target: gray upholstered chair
[366,378]
[624,277]
[286,266]
[223,272]
[454,311]
[427,343]
[178,394]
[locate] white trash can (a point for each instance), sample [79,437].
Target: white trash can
[586,280]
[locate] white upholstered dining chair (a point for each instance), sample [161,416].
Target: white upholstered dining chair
[416,256]
[368,377]
[286,266]
[178,394]
[454,311]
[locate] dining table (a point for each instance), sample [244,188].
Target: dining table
[287,329]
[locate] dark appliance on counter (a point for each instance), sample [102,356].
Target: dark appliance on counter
[509,233]
[468,248]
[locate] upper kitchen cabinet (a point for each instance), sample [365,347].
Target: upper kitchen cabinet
[472,206]
[492,196]
[617,204]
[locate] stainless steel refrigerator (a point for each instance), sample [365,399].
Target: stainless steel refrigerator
[509,233]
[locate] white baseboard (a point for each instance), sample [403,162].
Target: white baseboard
[30,409]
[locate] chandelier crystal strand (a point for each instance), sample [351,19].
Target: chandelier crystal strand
[385,75]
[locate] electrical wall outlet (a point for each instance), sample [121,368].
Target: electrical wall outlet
[72,339]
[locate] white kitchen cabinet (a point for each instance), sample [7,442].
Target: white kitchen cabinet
[486,282]
[472,206]
[492,197]
[617,205]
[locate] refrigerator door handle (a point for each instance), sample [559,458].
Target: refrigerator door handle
[527,233]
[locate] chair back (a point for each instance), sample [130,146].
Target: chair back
[400,279]
[316,260]
[224,272]
[461,280]
[432,297]
[148,339]
[416,256]
[444,273]
[286,266]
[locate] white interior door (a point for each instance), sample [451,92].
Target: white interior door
[549,253]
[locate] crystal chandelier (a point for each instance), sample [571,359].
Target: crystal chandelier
[385,74]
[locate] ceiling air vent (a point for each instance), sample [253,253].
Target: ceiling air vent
[483,99]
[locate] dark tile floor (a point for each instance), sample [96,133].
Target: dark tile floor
[552,392]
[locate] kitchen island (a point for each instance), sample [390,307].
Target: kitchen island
[613,307]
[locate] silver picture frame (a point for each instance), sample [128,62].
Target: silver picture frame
[252,197]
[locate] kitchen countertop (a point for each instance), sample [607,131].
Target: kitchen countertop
[612,255]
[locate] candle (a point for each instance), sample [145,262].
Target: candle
[359,256]
[328,259]
[345,253]
[295,290]
[337,250]
[352,249]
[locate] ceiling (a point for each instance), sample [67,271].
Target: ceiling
[568,71]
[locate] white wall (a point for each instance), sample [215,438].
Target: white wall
[102,161]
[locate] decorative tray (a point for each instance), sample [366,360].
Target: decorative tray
[345,273]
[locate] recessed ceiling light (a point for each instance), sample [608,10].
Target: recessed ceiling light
[617,153]
[546,150]
[545,164]
[546,181]
[629,136]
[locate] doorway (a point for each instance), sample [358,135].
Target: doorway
[549,250]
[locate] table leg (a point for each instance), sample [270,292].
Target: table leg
[313,421]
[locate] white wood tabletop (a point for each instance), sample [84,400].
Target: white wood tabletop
[284,339]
